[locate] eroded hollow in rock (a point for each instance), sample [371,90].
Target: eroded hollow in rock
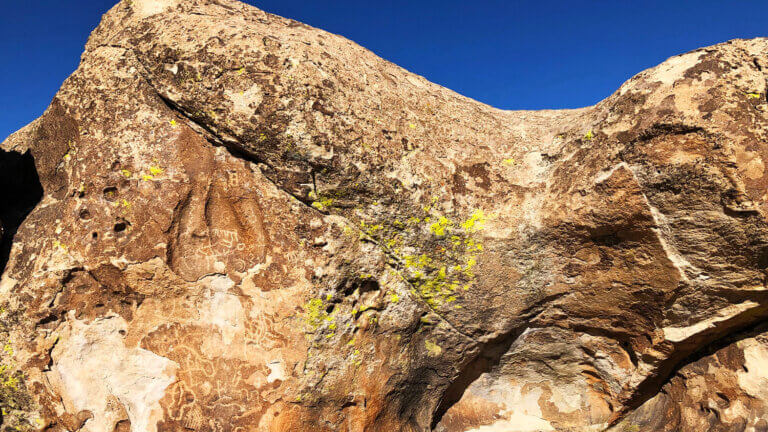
[20,191]
[489,358]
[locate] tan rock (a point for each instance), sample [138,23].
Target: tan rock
[251,224]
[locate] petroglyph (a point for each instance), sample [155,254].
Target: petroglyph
[251,224]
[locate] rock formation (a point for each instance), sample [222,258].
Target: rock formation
[248,224]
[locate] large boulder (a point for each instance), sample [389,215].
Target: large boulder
[249,224]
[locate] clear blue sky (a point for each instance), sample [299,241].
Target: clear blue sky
[509,54]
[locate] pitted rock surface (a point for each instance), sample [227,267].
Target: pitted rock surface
[248,224]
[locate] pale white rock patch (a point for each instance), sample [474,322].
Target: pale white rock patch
[94,370]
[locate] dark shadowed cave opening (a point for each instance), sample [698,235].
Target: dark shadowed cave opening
[20,191]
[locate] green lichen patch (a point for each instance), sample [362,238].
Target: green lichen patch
[435,252]
[322,203]
[315,314]
[16,404]
[432,348]
[438,228]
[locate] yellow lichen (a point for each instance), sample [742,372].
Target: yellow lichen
[438,270]
[11,382]
[315,315]
[59,245]
[371,229]
[16,405]
[433,349]
[475,222]
[323,204]
[438,228]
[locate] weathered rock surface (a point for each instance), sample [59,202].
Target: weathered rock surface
[252,225]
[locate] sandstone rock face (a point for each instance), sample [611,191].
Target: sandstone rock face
[247,224]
